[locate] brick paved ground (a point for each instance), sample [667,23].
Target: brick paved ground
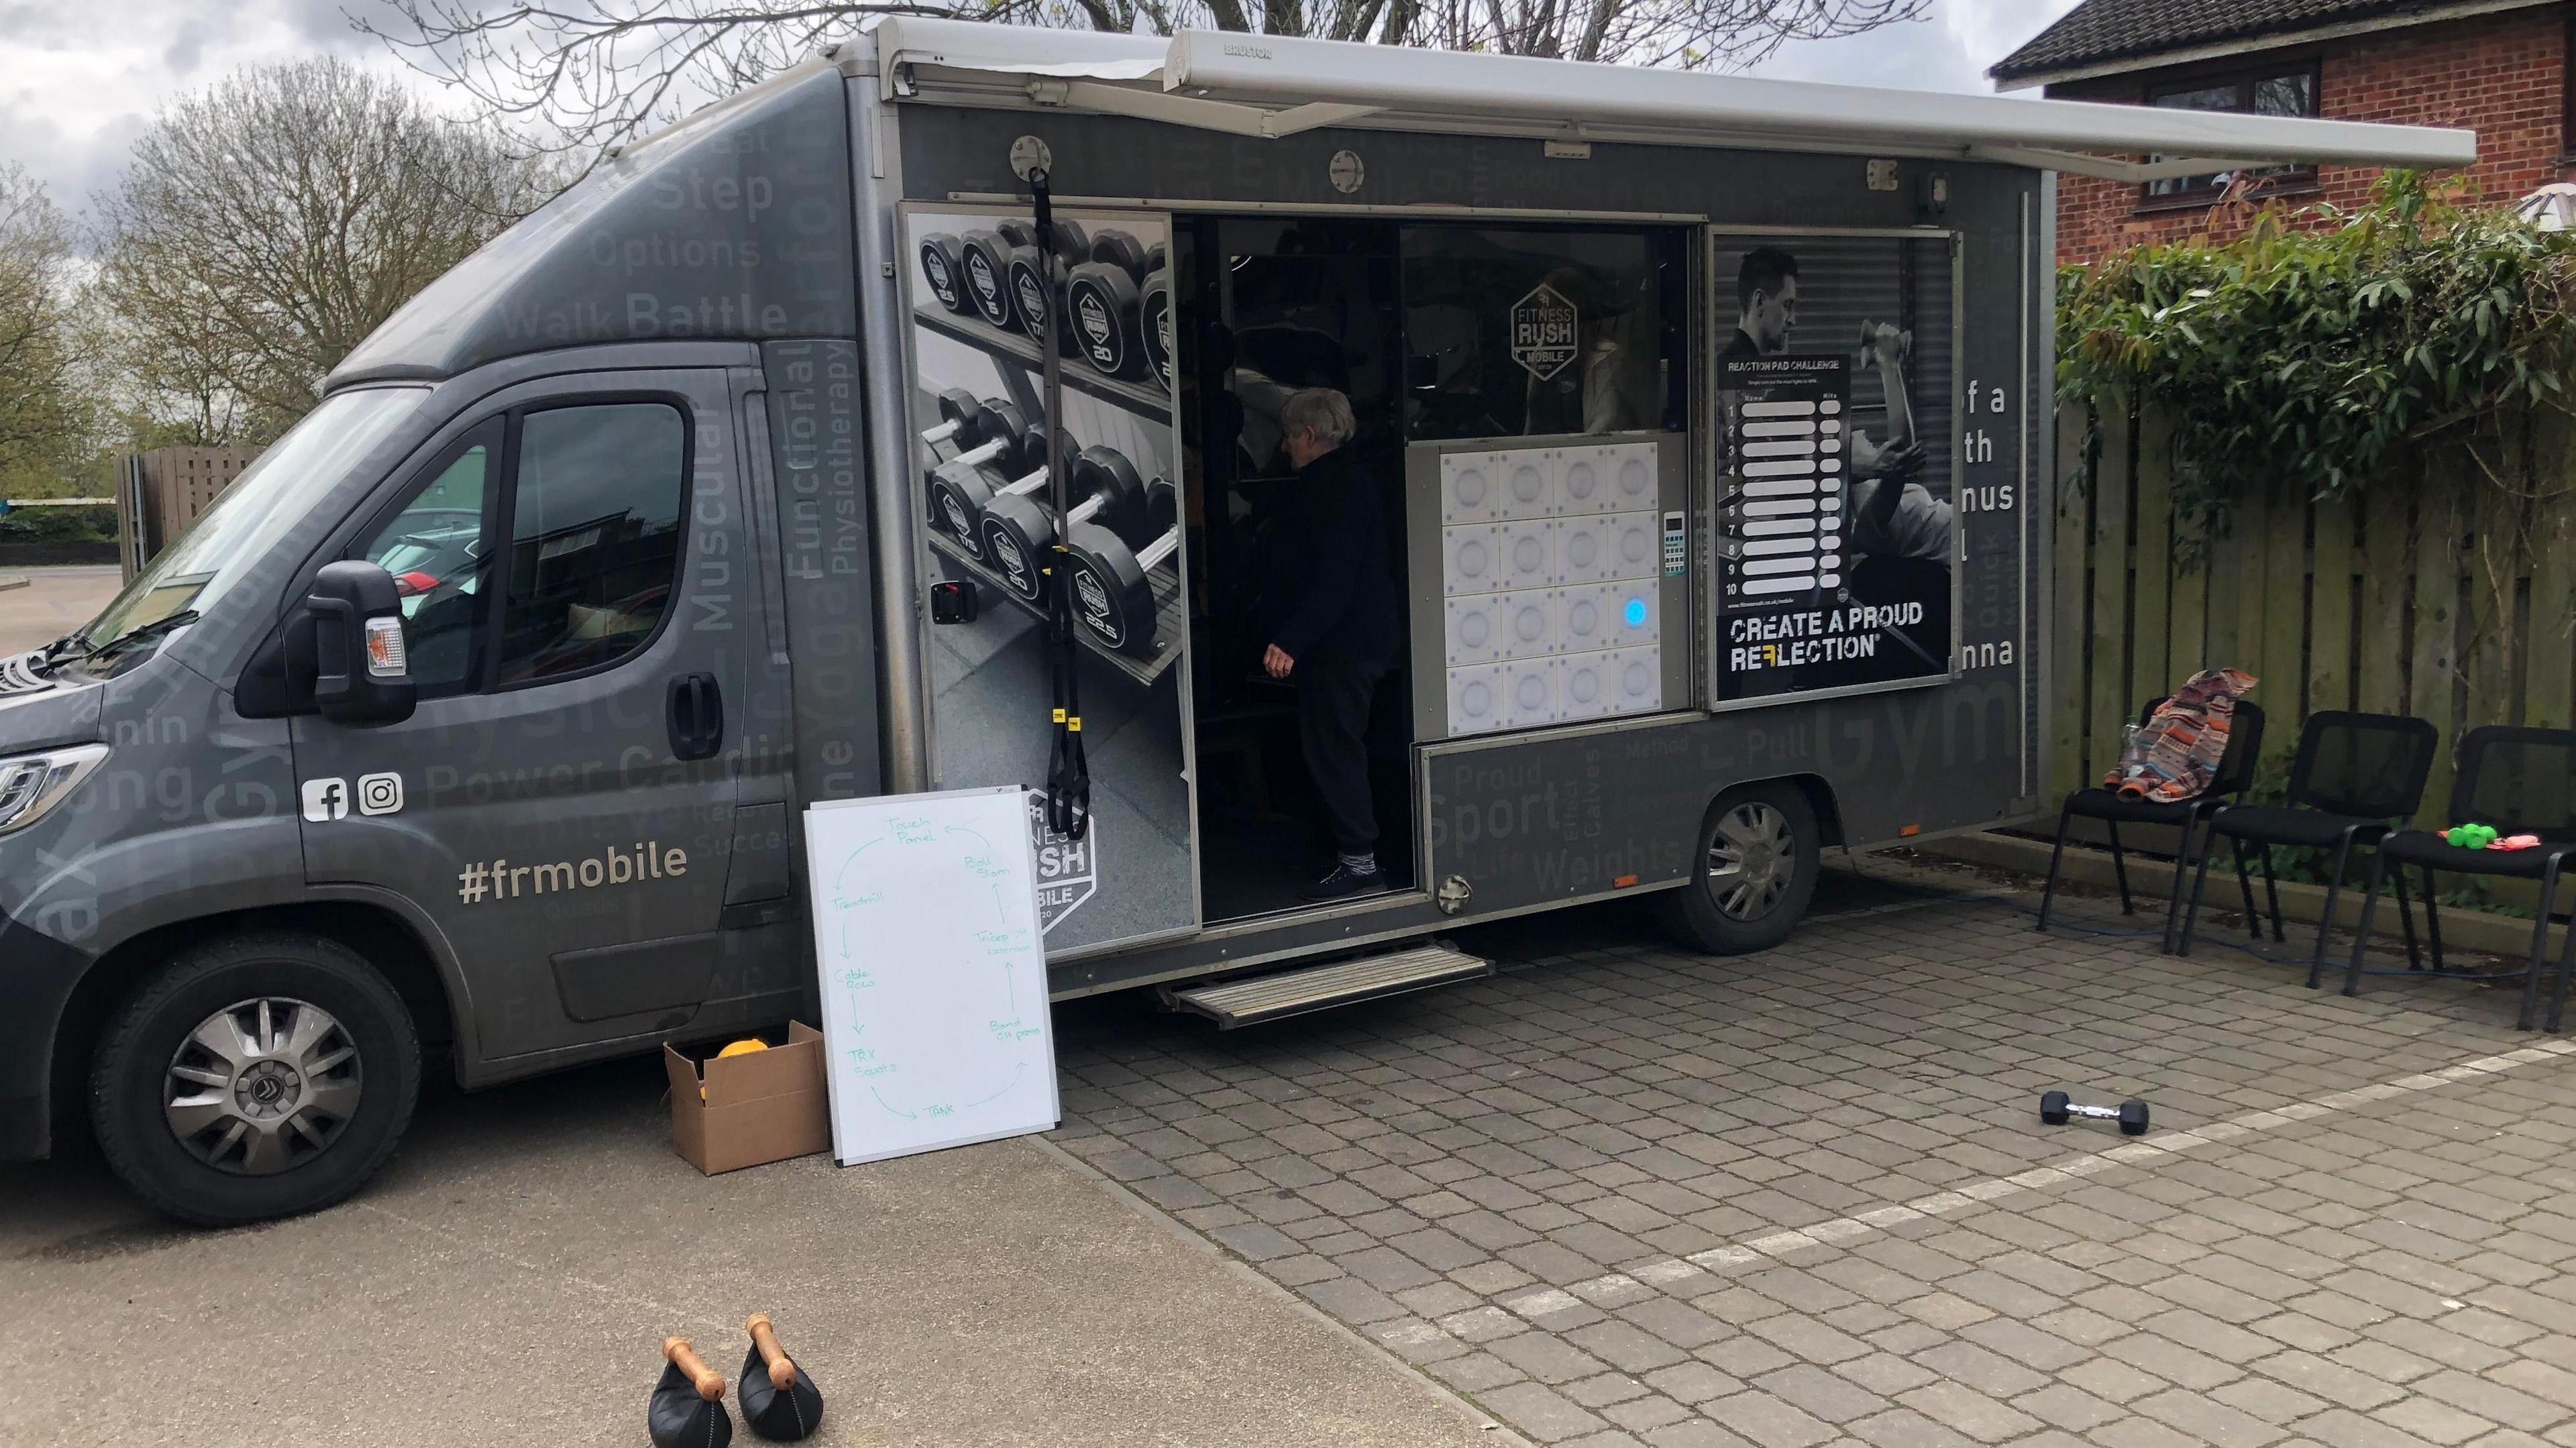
[1625,1195]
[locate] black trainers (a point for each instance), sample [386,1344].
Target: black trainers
[1341,882]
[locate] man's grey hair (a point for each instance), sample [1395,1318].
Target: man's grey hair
[1322,410]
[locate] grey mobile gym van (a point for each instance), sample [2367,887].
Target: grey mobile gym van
[480,715]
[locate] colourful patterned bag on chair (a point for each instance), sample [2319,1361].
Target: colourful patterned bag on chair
[2175,754]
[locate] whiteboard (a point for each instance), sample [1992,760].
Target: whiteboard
[934,979]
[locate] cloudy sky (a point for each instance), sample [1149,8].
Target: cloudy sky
[79,78]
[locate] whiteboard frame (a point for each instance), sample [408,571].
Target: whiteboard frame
[1046,1010]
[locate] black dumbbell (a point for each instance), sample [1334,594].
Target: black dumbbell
[1018,531]
[943,266]
[1154,324]
[985,261]
[1029,280]
[1104,296]
[1112,590]
[964,421]
[999,437]
[2055,1108]
[960,494]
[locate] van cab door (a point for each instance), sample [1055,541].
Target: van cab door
[561,805]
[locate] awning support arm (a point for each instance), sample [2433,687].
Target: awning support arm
[2135,173]
[1181,110]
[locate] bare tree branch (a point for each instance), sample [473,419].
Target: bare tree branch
[592,74]
[268,225]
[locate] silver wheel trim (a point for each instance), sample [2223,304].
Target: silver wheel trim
[1752,859]
[262,1086]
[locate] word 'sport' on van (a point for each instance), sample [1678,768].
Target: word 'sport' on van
[1707,417]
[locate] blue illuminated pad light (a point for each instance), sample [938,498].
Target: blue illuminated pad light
[1635,613]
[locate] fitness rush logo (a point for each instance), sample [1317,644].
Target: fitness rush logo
[501,880]
[988,287]
[935,267]
[1033,307]
[1015,565]
[1095,605]
[1097,331]
[956,511]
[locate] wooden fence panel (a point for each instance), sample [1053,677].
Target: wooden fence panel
[2384,602]
[2331,597]
[2066,612]
[2549,693]
[2151,643]
[2387,596]
[2109,570]
[2433,675]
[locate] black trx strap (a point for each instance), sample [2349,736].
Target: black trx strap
[1068,802]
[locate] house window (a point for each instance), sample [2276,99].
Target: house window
[2567,92]
[2279,90]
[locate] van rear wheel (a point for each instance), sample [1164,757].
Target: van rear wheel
[1754,872]
[256,1076]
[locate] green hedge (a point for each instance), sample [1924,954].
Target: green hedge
[92,523]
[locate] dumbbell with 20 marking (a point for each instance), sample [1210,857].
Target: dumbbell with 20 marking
[1105,297]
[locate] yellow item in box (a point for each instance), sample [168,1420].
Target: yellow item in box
[743,1047]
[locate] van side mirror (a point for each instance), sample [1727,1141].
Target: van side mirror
[347,637]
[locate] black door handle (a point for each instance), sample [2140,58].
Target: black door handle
[697,716]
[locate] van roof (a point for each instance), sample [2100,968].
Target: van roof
[1271,86]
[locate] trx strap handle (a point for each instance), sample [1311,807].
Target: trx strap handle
[1068,801]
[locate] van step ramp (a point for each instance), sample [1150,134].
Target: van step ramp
[1295,992]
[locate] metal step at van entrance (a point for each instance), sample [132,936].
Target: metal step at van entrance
[1295,992]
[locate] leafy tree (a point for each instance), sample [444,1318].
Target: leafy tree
[599,72]
[43,422]
[269,224]
[2320,346]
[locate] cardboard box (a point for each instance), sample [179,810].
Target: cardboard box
[746,1110]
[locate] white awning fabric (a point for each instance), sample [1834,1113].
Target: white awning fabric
[1260,85]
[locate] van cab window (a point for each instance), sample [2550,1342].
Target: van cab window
[435,551]
[274,494]
[594,536]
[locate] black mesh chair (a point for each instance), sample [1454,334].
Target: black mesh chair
[2227,784]
[2356,778]
[2523,782]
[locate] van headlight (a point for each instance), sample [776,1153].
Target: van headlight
[31,784]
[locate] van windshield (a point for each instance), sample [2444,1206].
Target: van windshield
[272,495]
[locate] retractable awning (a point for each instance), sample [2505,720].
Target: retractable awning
[1270,86]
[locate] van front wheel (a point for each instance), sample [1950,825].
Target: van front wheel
[1752,874]
[256,1076]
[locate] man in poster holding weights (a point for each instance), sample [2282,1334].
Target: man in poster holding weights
[1897,539]
[1893,515]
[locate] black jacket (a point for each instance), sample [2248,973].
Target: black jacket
[1328,586]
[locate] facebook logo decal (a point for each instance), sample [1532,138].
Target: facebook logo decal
[326,799]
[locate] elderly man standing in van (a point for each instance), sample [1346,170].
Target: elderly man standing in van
[1330,610]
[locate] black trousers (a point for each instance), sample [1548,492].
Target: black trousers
[1333,695]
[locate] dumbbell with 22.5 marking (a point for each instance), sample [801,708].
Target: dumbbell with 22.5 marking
[1019,532]
[1112,577]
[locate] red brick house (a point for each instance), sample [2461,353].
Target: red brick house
[2499,67]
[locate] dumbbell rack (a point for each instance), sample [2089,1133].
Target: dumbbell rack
[977,333]
[1170,620]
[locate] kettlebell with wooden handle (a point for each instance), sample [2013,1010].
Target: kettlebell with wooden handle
[779,1400]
